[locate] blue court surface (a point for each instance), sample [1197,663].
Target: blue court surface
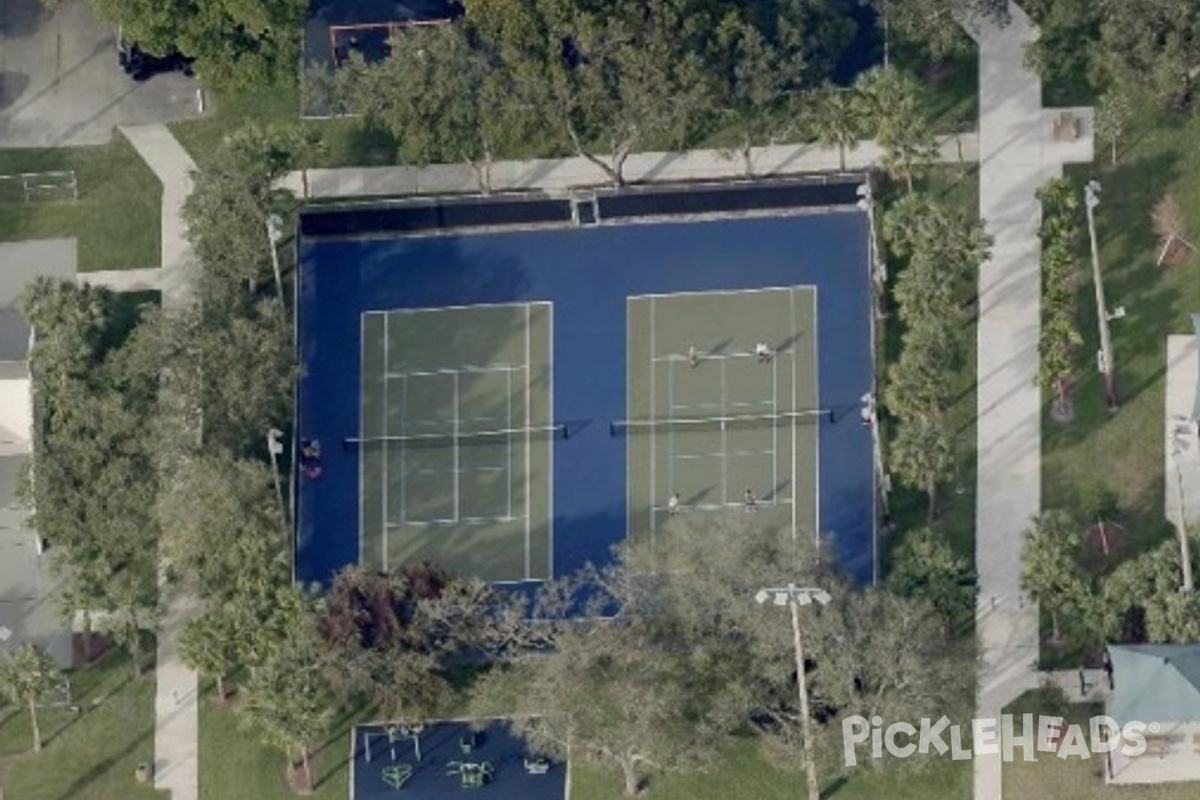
[443,760]
[476,372]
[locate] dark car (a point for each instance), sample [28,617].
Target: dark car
[140,65]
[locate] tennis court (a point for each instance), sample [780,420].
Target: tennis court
[455,448]
[713,423]
[513,382]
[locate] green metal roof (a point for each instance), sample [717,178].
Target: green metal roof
[1155,683]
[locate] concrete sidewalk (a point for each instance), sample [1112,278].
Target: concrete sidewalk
[563,174]
[1018,153]
[1182,441]
[177,720]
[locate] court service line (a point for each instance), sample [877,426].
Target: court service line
[472,306]
[383,472]
[816,378]
[528,446]
[670,429]
[454,447]
[509,443]
[550,449]
[775,428]
[794,454]
[472,369]
[675,357]
[714,293]
[362,421]
[724,454]
[653,419]
[724,440]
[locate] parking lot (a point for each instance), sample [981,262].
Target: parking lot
[61,85]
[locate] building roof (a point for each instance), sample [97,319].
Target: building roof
[1155,683]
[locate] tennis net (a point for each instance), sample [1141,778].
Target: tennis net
[625,427]
[462,438]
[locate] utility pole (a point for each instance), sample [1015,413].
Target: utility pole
[1091,197]
[794,597]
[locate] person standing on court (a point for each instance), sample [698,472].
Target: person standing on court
[693,356]
[764,352]
[673,504]
[750,501]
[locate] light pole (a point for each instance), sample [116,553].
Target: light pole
[1178,447]
[866,202]
[275,236]
[1091,198]
[275,448]
[794,596]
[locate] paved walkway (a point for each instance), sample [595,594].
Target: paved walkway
[1017,155]
[176,728]
[1182,448]
[574,173]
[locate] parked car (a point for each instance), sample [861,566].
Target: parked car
[140,65]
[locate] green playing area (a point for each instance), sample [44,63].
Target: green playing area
[710,419]
[456,441]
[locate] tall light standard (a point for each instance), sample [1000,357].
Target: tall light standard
[275,448]
[1179,446]
[275,236]
[794,597]
[866,202]
[1091,198]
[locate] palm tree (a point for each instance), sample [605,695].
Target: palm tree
[835,121]
[1050,571]
[889,105]
[28,673]
[922,455]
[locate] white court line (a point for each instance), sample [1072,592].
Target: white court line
[717,406]
[509,442]
[362,455]
[714,356]
[714,293]
[550,449]
[653,419]
[775,409]
[455,448]
[723,454]
[816,377]
[795,456]
[722,506]
[670,429]
[528,424]
[435,309]
[462,470]
[724,439]
[450,521]
[383,472]
[471,369]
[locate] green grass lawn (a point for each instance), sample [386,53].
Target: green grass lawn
[116,218]
[1125,450]
[234,763]
[346,142]
[742,773]
[93,756]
